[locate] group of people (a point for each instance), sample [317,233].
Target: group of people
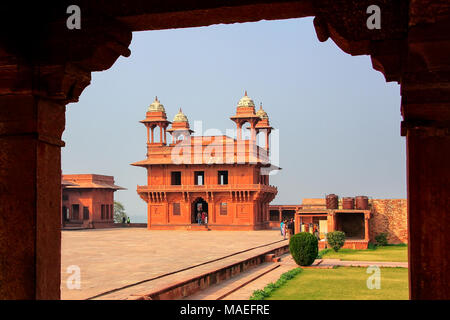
[287,227]
[202,217]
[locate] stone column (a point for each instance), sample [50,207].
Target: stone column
[43,66]
[428,183]
[239,135]
[153,134]
[30,196]
[366,227]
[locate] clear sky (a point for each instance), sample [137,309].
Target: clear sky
[338,119]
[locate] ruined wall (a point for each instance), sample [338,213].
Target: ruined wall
[389,216]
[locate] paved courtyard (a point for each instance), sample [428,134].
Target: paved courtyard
[113,258]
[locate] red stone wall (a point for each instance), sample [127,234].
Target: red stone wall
[91,198]
[389,216]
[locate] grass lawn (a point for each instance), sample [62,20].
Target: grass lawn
[394,253]
[344,283]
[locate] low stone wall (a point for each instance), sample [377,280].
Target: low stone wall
[389,216]
[348,244]
[190,286]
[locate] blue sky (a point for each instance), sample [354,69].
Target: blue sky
[339,120]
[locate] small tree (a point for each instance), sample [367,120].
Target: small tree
[119,212]
[381,239]
[336,239]
[304,248]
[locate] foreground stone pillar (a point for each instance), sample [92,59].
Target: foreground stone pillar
[428,159]
[30,196]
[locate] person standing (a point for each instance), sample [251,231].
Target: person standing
[199,218]
[281,227]
[206,218]
[203,217]
[128,221]
[289,228]
[284,229]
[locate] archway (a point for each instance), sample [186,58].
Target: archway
[199,205]
[417,65]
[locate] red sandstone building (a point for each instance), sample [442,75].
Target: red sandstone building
[361,221]
[88,200]
[227,178]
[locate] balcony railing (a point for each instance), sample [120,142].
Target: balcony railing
[208,188]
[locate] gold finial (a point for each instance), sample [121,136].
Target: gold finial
[245,92]
[180,111]
[260,106]
[156,98]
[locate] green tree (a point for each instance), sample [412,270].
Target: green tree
[304,248]
[336,239]
[119,212]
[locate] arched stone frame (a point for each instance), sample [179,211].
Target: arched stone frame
[409,51]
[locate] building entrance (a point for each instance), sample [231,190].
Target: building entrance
[199,205]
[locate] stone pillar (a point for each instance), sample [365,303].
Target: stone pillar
[253,132]
[428,181]
[366,227]
[239,135]
[153,135]
[30,196]
[149,213]
[160,134]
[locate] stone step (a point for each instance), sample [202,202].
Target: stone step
[223,289]
[199,228]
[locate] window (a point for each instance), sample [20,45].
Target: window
[75,212]
[223,209]
[85,213]
[65,197]
[176,209]
[199,178]
[176,178]
[222,177]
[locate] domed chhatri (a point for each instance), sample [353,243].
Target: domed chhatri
[156,106]
[246,101]
[261,113]
[180,117]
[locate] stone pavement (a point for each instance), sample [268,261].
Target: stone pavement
[113,258]
[338,262]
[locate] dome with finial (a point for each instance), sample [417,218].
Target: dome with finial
[246,101]
[156,106]
[180,117]
[261,113]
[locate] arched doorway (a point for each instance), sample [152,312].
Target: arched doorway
[198,205]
